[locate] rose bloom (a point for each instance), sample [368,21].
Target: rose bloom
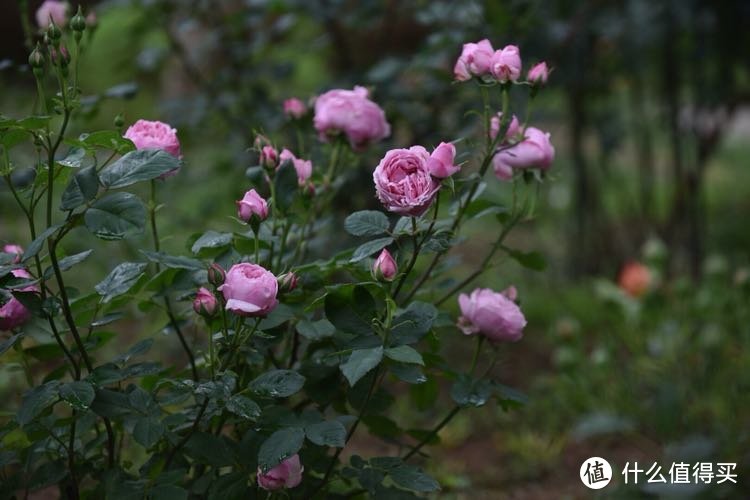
[294,108]
[353,113]
[474,60]
[205,303]
[385,267]
[514,127]
[252,204]
[15,250]
[506,64]
[287,474]
[250,290]
[57,11]
[534,151]
[146,134]
[303,167]
[492,314]
[538,74]
[13,313]
[441,163]
[403,182]
[634,279]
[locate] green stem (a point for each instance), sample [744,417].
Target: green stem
[433,433]
[414,256]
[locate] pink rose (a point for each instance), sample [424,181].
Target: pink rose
[384,268]
[250,290]
[534,151]
[538,74]
[303,167]
[491,314]
[506,64]
[634,279]
[294,108]
[252,205]
[52,9]
[16,250]
[403,182]
[288,474]
[205,303]
[13,313]
[354,114]
[474,60]
[146,134]
[269,157]
[441,161]
[513,127]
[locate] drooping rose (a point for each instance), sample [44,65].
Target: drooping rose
[384,268]
[403,182]
[474,60]
[506,64]
[534,151]
[12,312]
[15,250]
[288,474]
[252,205]
[492,314]
[634,279]
[303,167]
[352,113]
[146,134]
[441,163]
[538,74]
[52,9]
[294,108]
[205,303]
[250,290]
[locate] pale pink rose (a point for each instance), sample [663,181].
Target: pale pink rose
[441,163]
[12,312]
[474,60]
[288,474]
[52,9]
[538,74]
[635,279]
[269,157]
[491,314]
[403,182]
[146,134]
[350,112]
[294,108]
[205,302]
[385,267]
[252,205]
[250,290]
[534,151]
[506,64]
[303,167]
[16,250]
[514,128]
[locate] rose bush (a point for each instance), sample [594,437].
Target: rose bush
[293,337]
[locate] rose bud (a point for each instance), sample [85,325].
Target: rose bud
[491,314]
[350,112]
[288,282]
[216,274]
[61,56]
[147,134]
[534,151]
[506,64]
[474,60]
[269,157]
[403,182]
[441,161]
[53,10]
[287,474]
[13,313]
[634,279]
[514,128]
[15,250]
[303,167]
[294,108]
[205,303]
[538,74]
[511,293]
[384,268]
[252,206]
[78,22]
[36,59]
[250,290]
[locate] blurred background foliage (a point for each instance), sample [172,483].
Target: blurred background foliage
[648,109]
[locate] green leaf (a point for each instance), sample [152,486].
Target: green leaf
[36,400]
[243,407]
[366,223]
[286,185]
[174,261]
[531,260]
[360,362]
[120,280]
[351,309]
[10,342]
[107,139]
[469,392]
[78,394]
[330,433]
[82,187]
[36,245]
[409,373]
[366,249]
[148,431]
[404,354]
[412,478]
[137,166]
[316,330]
[278,383]
[68,262]
[211,239]
[74,158]
[412,324]
[116,216]
[281,445]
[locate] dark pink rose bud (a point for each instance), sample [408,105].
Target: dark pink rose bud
[352,113]
[491,314]
[514,128]
[269,157]
[52,10]
[441,163]
[474,60]
[506,64]
[252,205]
[538,74]
[303,167]
[384,268]
[534,151]
[216,274]
[288,282]
[205,303]
[146,134]
[288,474]
[403,182]
[294,108]
[250,290]
[61,56]
[16,250]
[12,312]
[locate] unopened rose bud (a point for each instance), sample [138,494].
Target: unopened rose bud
[205,303]
[384,268]
[61,56]
[269,157]
[288,282]
[78,22]
[252,206]
[538,74]
[54,33]
[15,250]
[119,121]
[216,274]
[36,58]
